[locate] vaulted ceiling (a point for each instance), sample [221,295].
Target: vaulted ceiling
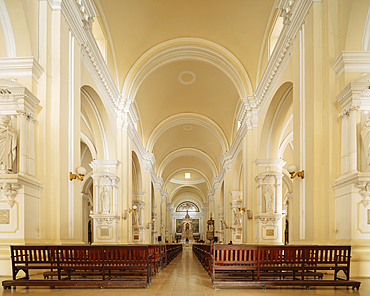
[186,65]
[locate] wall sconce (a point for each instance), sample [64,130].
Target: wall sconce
[81,173]
[134,209]
[249,214]
[292,171]
[224,224]
[151,222]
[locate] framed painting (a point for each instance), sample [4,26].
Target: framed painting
[195,225]
[178,225]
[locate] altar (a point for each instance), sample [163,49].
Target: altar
[187,236]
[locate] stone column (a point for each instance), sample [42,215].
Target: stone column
[20,191]
[104,214]
[269,222]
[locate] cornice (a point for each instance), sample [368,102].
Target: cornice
[20,67]
[352,61]
[356,94]
[283,50]
[79,14]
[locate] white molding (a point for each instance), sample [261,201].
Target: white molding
[274,120]
[186,170]
[302,130]
[55,4]
[7,28]
[187,118]
[352,61]
[355,95]
[196,49]
[20,67]
[89,144]
[71,120]
[187,151]
[365,42]
[282,52]
[272,162]
[99,120]
[191,181]
[91,54]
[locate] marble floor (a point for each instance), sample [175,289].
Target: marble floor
[186,276]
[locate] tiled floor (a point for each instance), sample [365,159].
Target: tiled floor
[186,276]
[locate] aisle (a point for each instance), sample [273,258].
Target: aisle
[185,276]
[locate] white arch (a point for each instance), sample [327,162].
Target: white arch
[89,144]
[187,118]
[179,49]
[7,28]
[99,120]
[185,170]
[175,201]
[287,140]
[184,152]
[193,198]
[365,43]
[274,120]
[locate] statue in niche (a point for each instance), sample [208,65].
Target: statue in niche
[135,215]
[238,216]
[269,199]
[104,199]
[365,135]
[8,144]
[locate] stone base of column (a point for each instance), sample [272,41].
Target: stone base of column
[105,228]
[269,228]
[236,234]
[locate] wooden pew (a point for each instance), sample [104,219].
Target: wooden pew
[244,265]
[130,263]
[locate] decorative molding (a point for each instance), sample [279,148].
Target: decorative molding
[186,49]
[283,49]
[352,61]
[188,118]
[187,151]
[194,77]
[7,29]
[8,192]
[55,4]
[356,93]
[20,67]
[191,181]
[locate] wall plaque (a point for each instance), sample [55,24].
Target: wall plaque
[270,232]
[104,232]
[4,216]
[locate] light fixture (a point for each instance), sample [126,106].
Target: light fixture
[187,175]
[151,222]
[134,209]
[81,173]
[249,214]
[224,224]
[292,171]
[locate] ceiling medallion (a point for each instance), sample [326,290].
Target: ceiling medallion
[186,82]
[187,127]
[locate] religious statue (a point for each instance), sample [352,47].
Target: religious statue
[269,198]
[8,144]
[135,216]
[104,199]
[238,212]
[365,135]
